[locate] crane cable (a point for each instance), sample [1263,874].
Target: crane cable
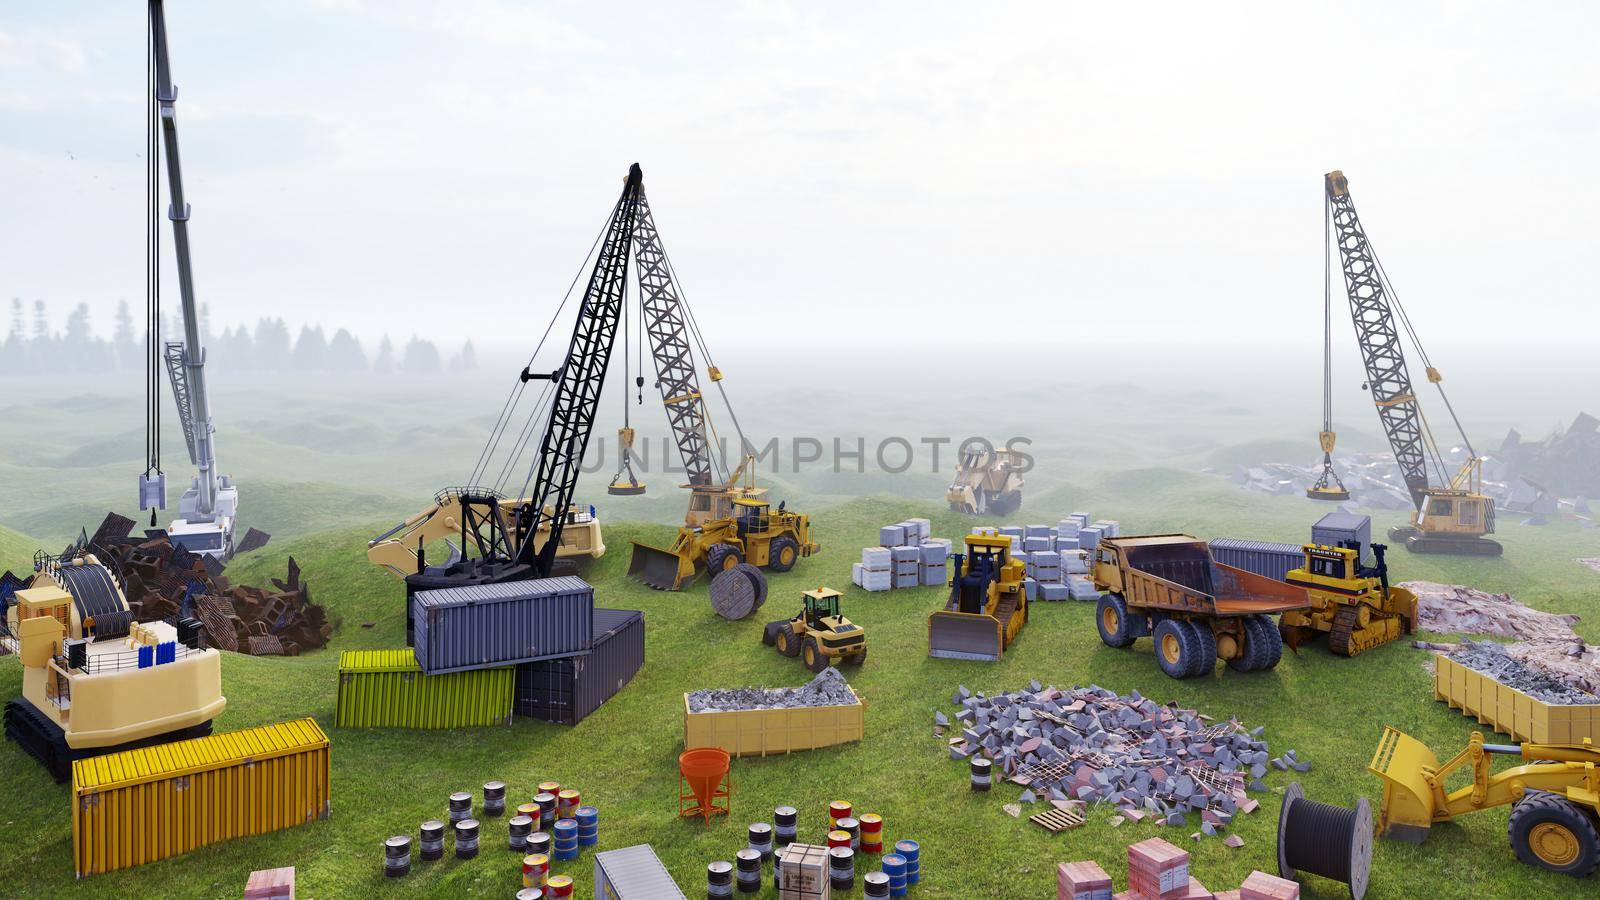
[1327,317]
[152,249]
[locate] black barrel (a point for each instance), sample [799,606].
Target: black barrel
[842,868]
[397,856]
[539,842]
[982,779]
[785,818]
[494,799]
[466,839]
[761,839]
[749,862]
[460,806]
[519,828]
[1332,841]
[719,880]
[875,884]
[431,840]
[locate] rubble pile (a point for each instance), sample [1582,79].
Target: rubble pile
[1566,463]
[165,582]
[827,689]
[1455,609]
[1373,479]
[1592,562]
[1087,745]
[1492,659]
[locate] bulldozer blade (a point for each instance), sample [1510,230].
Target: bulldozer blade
[660,569]
[1408,798]
[953,635]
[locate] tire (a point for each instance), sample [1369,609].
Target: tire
[769,635]
[856,660]
[1177,645]
[1005,504]
[1111,618]
[783,546]
[786,641]
[722,557]
[1205,657]
[1554,834]
[812,655]
[1263,646]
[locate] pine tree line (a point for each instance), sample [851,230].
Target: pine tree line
[33,346]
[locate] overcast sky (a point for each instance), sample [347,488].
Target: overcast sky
[1058,171]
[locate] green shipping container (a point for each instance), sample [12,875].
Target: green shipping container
[387,689]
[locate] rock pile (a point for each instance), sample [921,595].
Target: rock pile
[1492,659]
[1454,609]
[827,689]
[1089,745]
[1567,462]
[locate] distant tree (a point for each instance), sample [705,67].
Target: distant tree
[272,345]
[311,350]
[16,318]
[235,349]
[205,324]
[466,361]
[124,347]
[384,363]
[77,341]
[345,353]
[41,322]
[421,358]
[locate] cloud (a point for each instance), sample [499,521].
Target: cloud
[488,21]
[33,49]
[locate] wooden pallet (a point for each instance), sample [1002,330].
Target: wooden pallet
[1056,821]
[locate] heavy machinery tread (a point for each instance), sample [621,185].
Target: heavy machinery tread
[1005,504]
[1205,657]
[43,740]
[775,553]
[561,567]
[1541,807]
[717,556]
[1341,635]
[1119,608]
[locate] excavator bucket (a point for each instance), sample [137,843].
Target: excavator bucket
[661,569]
[1407,811]
[954,635]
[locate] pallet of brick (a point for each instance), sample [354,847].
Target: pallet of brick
[1068,528]
[891,535]
[1089,538]
[1261,886]
[1034,544]
[1012,531]
[923,530]
[1082,518]
[985,530]
[905,557]
[1046,565]
[855,573]
[1082,587]
[1197,891]
[935,550]
[1054,591]
[1082,881]
[1030,589]
[934,576]
[1158,870]
[1041,531]
[877,559]
[270,884]
[1074,562]
[803,873]
[1108,527]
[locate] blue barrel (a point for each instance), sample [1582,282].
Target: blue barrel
[894,866]
[587,815]
[566,839]
[567,855]
[912,851]
[588,819]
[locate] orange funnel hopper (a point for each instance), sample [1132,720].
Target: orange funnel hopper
[703,779]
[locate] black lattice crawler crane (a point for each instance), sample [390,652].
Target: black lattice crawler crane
[1451,519]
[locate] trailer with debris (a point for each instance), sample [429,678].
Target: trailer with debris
[1168,587]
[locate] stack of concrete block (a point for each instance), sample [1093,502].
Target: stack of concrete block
[1067,534]
[1108,527]
[892,535]
[917,530]
[1089,538]
[907,565]
[1081,587]
[1074,562]
[1082,881]
[935,557]
[1158,870]
[875,572]
[1261,886]
[1045,565]
[985,530]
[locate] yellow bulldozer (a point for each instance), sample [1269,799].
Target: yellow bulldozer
[1353,604]
[1555,798]
[987,607]
[402,548]
[820,635]
[755,533]
[93,679]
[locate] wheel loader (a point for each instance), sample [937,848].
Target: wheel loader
[820,635]
[987,482]
[987,607]
[1353,604]
[1555,799]
[755,533]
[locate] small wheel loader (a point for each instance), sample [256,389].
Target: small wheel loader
[1555,799]
[754,534]
[820,635]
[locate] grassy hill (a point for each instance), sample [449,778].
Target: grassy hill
[1330,710]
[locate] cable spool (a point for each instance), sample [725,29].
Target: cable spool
[1332,841]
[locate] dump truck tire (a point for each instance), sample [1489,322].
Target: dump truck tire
[1177,645]
[1205,657]
[1111,618]
[1263,646]
[1553,833]
[722,557]
[783,554]
[787,642]
[814,658]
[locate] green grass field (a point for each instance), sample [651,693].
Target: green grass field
[623,758]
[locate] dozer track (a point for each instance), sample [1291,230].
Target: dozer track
[1346,639]
[44,740]
[1419,543]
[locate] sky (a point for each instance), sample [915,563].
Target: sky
[825,173]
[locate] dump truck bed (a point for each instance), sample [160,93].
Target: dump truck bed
[1176,572]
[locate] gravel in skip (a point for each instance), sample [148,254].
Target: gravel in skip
[1084,745]
[1492,660]
[827,689]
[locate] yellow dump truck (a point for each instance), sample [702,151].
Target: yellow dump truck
[987,607]
[1166,586]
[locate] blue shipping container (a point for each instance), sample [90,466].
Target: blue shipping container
[1265,558]
[485,625]
[566,691]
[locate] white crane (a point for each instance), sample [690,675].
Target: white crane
[206,509]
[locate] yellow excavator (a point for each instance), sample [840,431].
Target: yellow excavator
[754,533]
[95,681]
[403,549]
[1353,604]
[987,482]
[987,607]
[1555,798]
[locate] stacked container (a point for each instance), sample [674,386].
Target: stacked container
[387,689]
[567,690]
[485,625]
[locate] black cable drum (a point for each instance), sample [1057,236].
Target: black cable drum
[95,594]
[1332,841]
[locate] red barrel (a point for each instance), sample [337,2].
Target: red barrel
[567,803]
[535,869]
[838,839]
[559,886]
[871,833]
[838,809]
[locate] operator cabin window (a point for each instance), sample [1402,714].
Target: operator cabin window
[1328,568]
[1442,506]
[1467,514]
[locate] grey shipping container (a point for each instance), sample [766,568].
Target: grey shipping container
[1265,558]
[1335,528]
[485,625]
[566,691]
[633,873]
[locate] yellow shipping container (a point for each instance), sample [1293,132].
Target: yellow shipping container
[138,806]
[761,732]
[387,689]
[1511,711]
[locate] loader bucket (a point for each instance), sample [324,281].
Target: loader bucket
[1407,811]
[660,569]
[953,635]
